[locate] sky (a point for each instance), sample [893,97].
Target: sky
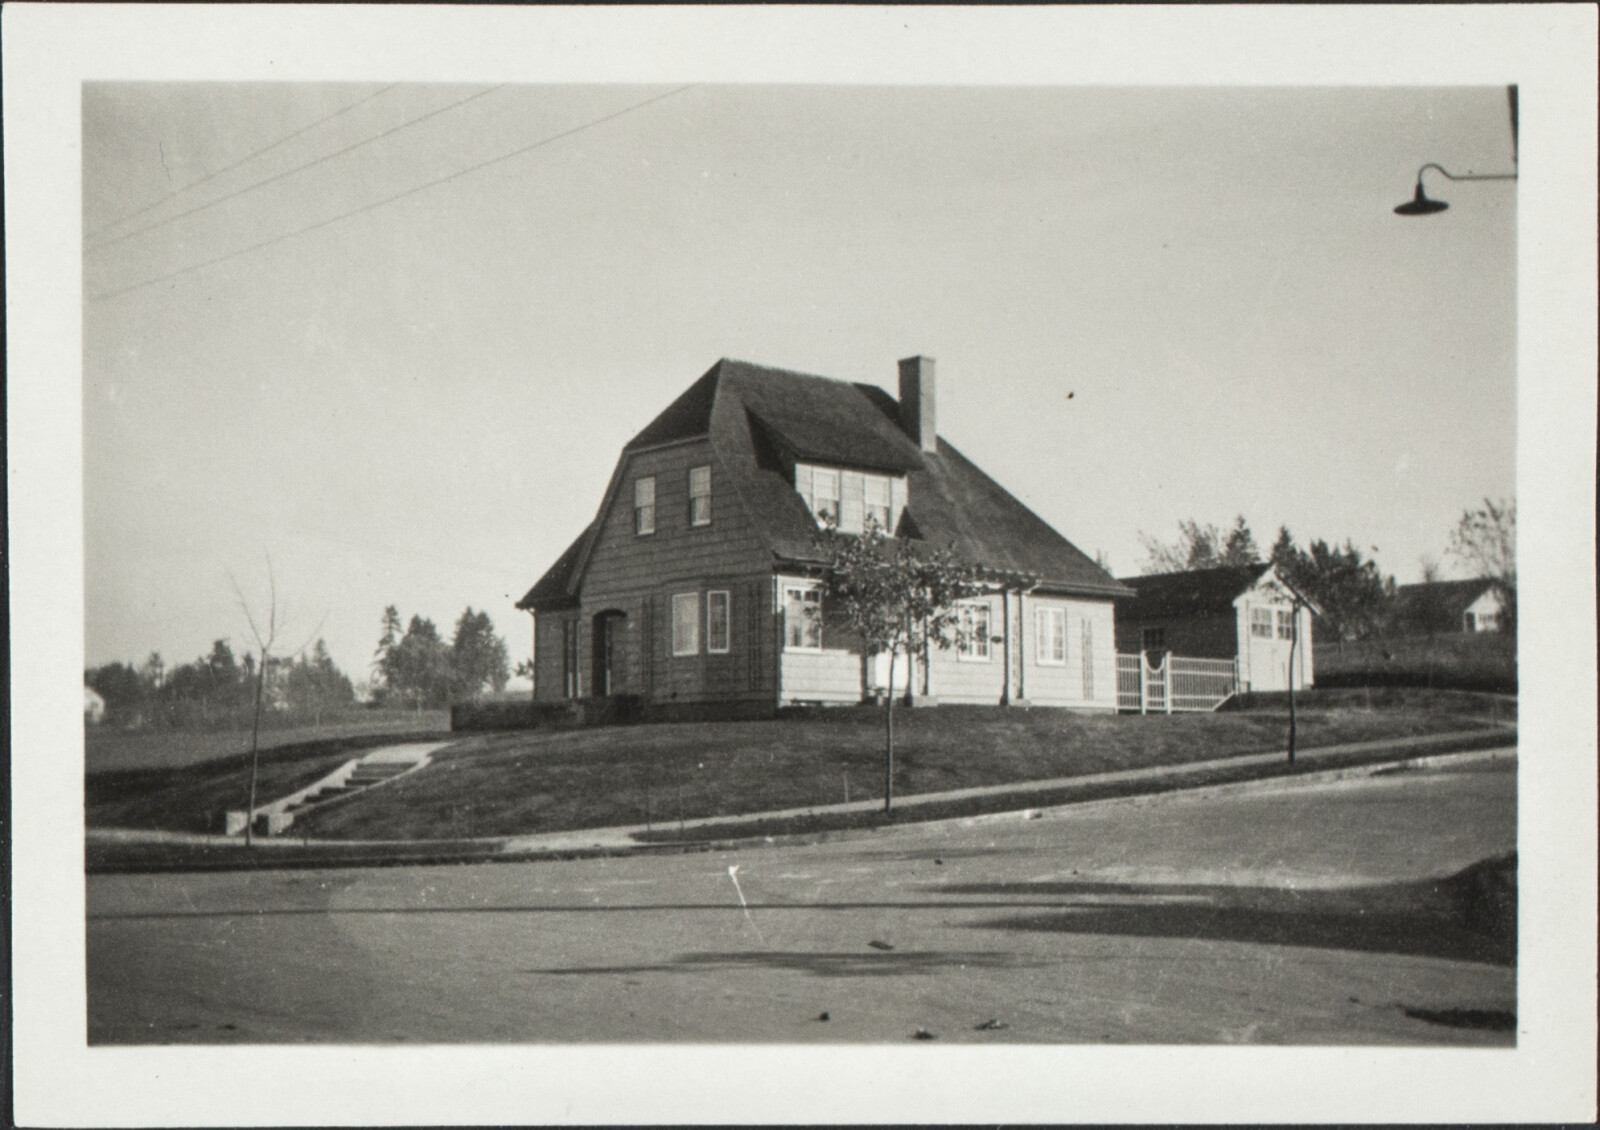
[418,401]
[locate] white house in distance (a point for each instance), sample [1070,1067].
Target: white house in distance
[1241,612]
[1440,607]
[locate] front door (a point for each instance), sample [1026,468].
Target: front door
[607,652]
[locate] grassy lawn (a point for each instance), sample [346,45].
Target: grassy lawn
[108,749]
[194,798]
[510,783]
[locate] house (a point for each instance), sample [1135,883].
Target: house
[1437,607]
[94,706]
[698,588]
[1236,611]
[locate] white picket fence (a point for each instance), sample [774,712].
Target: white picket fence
[1174,683]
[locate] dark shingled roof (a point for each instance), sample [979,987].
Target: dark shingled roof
[1438,605]
[554,589]
[1199,592]
[760,420]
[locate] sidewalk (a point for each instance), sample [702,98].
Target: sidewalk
[140,850]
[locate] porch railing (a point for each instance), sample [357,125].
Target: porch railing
[1174,683]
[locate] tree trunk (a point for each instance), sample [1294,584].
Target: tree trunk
[255,745]
[888,736]
[1294,646]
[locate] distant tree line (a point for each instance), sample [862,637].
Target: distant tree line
[415,667]
[1357,600]
[217,691]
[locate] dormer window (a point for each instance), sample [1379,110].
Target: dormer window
[850,500]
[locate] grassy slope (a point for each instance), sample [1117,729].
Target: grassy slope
[109,749]
[194,798]
[528,782]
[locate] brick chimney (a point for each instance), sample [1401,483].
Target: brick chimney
[917,402]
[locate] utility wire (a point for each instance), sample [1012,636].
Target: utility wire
[386,200]
[229,168]
[289,172]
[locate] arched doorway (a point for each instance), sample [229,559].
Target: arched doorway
[608,646]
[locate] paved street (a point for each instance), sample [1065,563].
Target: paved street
[1286,914]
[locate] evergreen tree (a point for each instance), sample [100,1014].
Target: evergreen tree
[478,657]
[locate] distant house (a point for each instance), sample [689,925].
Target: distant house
[1241,612]
[1437,607]
[698,587]
[94,706]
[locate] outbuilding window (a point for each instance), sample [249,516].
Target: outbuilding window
[1286,624]
[644,505]
[700,496]
[686,623]
[1261,623]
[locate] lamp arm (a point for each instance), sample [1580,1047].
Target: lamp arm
[1463,176]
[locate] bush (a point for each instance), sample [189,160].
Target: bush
[1482,661]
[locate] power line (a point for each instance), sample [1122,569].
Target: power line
[290,172]
[229,168]
[386,200]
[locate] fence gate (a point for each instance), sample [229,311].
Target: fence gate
[1173,683]
[1155,685]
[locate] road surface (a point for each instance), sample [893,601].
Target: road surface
[1284,914]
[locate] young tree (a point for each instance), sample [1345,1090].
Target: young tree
[1485,540]
[265,639]
[478,657]
[900,600]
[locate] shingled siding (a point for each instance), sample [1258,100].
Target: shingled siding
[638,575]
[1198,637]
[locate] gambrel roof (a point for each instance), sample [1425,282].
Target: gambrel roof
[760,421]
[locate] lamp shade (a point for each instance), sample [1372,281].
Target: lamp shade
[1420,205]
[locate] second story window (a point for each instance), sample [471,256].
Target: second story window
[700,496]
[850,500]
[644,505]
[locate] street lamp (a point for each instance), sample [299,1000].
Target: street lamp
[1421,205]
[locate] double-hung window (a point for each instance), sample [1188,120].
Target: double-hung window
[802,617]
[717,622]
[876,488]
[686,623]
[853,501]
[1261,623]
[1050,637]
[974,632]
[1286,624]
[644,505]
[700,496]
[1152,638]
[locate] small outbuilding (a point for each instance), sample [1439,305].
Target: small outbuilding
[94,706]
[1240,612]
